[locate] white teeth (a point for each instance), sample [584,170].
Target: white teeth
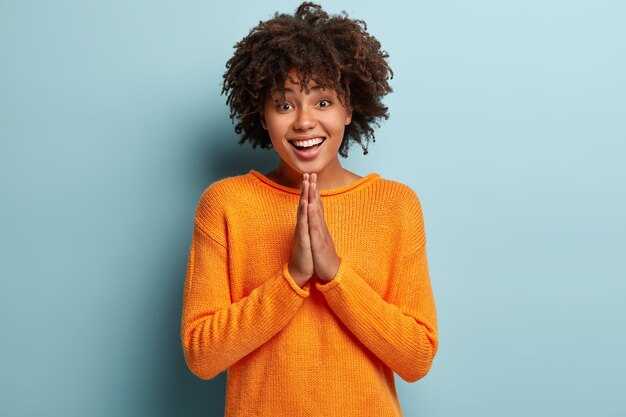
[307,143]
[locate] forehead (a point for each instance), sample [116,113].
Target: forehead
[297,88]
[294,86]
[296,91]
[293,83]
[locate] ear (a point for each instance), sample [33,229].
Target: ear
[348,116]
[348,107]
[262,118]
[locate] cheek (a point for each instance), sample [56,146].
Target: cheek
[275,130]
[273,121]
[335,121]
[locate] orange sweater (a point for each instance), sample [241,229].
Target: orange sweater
[322,350]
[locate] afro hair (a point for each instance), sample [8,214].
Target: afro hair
[334,51]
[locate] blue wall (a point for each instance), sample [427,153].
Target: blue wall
[508,119]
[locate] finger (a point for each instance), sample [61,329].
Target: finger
[318,200]
[311,201]
[315,223]
[315,197]
[304,193]
[314,229]
[305,181]
[304,203]
[313,188]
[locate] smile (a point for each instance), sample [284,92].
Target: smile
[306,143]
[307,149]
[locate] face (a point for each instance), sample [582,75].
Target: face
[306,130]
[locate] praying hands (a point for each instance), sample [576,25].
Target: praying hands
[313,250]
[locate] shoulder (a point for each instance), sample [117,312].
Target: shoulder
[399,194]
[404,207]
[225,190]
[218,198]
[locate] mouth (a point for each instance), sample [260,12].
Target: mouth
[307,148]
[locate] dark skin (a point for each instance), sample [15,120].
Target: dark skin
[313,250]
[333,48]
[320,112]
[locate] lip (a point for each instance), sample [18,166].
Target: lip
[306,137]
[309,154]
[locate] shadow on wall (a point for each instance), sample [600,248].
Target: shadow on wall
[214,154]
[239,159]
[218,155]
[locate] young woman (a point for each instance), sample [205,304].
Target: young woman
[309,284]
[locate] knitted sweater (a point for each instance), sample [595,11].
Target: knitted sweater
[324,349]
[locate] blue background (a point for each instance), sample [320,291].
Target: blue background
[508,119]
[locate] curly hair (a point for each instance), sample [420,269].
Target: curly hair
[333,51]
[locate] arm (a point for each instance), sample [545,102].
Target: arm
[215,332]
[402,332]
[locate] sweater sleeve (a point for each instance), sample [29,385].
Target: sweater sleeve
[215,332]
[401,332]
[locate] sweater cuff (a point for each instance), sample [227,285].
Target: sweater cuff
[302,291]
[323,287]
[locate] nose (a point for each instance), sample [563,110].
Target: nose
[305,119]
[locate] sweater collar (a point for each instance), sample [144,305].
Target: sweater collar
[361,182]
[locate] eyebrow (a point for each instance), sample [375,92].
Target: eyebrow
[287,89]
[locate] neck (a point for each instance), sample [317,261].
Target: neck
[333,176]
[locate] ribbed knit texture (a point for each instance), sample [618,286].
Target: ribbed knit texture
[322,350]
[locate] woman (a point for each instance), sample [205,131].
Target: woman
[309,284]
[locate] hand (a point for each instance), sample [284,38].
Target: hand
[325,259]
[301,262]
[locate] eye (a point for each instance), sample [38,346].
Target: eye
[284,106]
[324,103]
